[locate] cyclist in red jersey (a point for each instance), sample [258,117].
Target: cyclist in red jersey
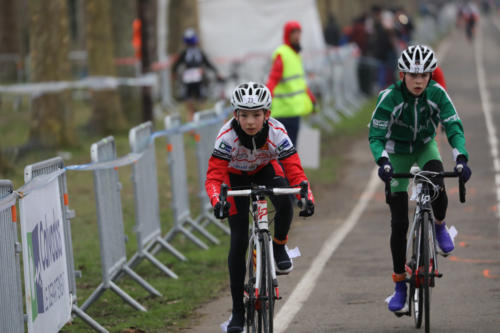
[253,148]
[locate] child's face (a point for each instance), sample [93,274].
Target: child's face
[251,121]
[416,83]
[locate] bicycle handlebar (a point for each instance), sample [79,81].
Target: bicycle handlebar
[429,174]
[302,190]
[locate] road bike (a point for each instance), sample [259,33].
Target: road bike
[261,285]
[421,246]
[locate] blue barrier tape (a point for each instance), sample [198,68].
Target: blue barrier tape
[133,157]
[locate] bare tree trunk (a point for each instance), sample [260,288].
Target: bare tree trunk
[51,123]
[183,14]
[107,116]
[9,41]
[124,13]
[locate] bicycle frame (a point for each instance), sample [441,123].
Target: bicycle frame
[422,263]
[262,288]
[260,225]
[423,206]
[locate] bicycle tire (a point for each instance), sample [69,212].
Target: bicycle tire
[250,290]
[425,254]
[266,292]
[417,293]
[271,295]
[262,324]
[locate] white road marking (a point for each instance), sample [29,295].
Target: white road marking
[487,111]
[306,285]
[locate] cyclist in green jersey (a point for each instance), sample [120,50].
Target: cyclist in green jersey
[402,133]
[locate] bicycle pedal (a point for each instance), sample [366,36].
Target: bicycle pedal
[405,311]
[280,273]
[401,314]
[444,254]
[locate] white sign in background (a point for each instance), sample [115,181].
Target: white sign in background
[309,146]
[48,302]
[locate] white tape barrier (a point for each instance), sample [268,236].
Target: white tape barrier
[8,201]
[119,162]
[91,82]
[35,184]
[134,157]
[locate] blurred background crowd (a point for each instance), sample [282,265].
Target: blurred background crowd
[139,46]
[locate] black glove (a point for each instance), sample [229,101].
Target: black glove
[308,210]
[385,169]
[466,172]
[221,212]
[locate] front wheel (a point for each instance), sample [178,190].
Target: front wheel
[416,291]
[250,292]
[271,292]
[425,257]
[266,292]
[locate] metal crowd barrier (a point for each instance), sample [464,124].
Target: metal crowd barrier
[44,168]
[350,58]
[111,231]
[205,138]
[147,210]
[335,82]
[178,182]
[11,294]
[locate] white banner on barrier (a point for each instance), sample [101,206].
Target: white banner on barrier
[48,302]
[309,146]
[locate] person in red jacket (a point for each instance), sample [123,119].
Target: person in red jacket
[438,76]
[253,148]
[293,103]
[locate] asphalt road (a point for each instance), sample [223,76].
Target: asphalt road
[340,284]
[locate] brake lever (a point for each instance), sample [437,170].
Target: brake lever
[461,184]
[304,187]
[222,197]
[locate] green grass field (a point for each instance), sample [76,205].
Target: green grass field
[202,277]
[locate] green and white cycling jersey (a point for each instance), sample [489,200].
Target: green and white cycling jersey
[402,123]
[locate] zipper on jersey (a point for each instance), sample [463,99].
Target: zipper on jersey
[415,124]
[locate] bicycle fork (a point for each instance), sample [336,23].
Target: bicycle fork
[414,267]
[260,212]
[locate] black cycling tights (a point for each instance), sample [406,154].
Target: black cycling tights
[239,226]
[399,217]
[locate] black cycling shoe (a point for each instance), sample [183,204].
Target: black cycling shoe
[237,323]
[284,264]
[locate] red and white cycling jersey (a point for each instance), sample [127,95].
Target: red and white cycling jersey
[228,147]
[230,156]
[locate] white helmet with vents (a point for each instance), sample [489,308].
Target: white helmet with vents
[417,59]
[251,96]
